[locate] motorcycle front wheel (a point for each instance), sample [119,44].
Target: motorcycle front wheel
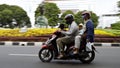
[45,55]
[89,58]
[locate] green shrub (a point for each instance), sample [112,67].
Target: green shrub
[116,25]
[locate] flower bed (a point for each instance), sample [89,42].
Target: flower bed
[107,35]
[44,38]
[27,33]
[104,38]
[41,34]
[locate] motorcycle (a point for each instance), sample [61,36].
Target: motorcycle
[49,51]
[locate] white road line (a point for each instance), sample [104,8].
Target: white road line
[23,55]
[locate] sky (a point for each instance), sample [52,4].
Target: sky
[99,7]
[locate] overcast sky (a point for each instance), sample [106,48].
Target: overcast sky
[100,7]
[97,6]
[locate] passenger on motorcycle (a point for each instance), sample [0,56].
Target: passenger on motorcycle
[70,34]
[88,27]
[78,38]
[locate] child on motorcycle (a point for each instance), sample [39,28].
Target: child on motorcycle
[78,39]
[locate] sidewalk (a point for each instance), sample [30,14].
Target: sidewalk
[17,43]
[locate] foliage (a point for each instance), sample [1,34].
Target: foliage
[118,4]
[107,32]
[113,31]
[6,16]
[107,35]
[41,34]
[103,32]
[20,15]
[51,11]
[78,17]
[9,12]
[116,25]
[94,18]
[30,32]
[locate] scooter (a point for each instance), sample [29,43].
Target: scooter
[49,51]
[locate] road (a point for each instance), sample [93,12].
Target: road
[26,57]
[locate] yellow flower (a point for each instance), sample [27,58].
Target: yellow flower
[102,32]
[43,31]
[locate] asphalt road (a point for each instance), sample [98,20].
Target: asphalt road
[26,57]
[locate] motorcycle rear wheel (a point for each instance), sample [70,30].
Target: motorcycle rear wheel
[45,55]
[89,58]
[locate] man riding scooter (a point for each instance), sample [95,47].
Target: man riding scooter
[50,50]
[70,34]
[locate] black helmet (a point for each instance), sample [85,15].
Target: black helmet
[69,18]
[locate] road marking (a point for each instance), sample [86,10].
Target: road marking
[23,55]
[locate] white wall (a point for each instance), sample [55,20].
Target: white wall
[106,21]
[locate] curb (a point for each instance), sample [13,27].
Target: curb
[17,43]
[107,44]
[8,43]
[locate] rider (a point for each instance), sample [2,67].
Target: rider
[88,34]
[70,34]
[89,26]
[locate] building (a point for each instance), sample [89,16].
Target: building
[106,20]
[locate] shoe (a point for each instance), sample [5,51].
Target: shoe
[75,51]
[60,56]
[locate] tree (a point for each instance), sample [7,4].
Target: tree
[118,4]
[6,17]
[9,12]
[51,12]
[78,17]
[94,18]
[21,16]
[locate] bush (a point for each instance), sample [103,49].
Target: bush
[116,25]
